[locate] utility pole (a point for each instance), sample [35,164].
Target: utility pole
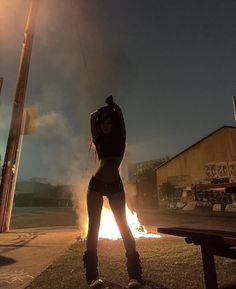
[10,164]
[234,107]
[1,82]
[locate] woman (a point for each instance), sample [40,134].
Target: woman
[109,135]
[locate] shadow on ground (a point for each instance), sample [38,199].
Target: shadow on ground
[229,286]
[153,285]
[111,285]
[20,240]
[6,261]
[148,284]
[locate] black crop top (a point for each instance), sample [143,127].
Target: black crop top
[110,145]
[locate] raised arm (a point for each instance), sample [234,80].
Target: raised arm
[109,100]
[121,119]
[94,126]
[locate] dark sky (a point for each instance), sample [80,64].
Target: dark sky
[169,64]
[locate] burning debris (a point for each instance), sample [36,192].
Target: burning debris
[109,229]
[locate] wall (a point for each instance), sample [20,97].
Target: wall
[191,166]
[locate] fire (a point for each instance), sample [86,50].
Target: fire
[109,229]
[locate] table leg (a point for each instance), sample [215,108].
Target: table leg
[209,267]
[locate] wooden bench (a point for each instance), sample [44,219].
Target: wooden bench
[212,242]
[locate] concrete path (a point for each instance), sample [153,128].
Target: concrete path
[25,253]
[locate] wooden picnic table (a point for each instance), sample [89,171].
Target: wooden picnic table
[212,242]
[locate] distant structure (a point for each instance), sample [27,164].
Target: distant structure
[40,192]
[210,160]
[141,185]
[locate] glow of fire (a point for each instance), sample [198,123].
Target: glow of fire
[109,229]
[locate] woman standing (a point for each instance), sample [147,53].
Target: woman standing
[109,136]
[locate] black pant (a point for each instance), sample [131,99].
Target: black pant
[117,204]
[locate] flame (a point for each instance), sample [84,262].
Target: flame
[109,229]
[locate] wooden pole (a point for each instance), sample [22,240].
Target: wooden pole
[10,161]
[234,107]
[1,82]
[16,167]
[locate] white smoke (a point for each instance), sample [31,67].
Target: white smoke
[74,65]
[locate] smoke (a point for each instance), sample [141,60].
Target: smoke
[71,161]
[5,120]
[54,124]
[93,65]
[80,205]
[83,52]
[76,63]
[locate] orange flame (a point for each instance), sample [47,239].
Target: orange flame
[109,229]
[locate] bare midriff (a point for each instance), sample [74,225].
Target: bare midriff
[108,170]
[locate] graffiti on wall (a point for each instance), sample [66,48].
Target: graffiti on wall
[220,170]
[232,169]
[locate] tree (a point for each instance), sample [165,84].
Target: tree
[167,190]
[145,171]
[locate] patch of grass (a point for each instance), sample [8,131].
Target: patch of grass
[168,263]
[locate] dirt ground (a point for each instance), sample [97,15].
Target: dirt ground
[168,263]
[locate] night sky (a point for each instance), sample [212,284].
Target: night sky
[169,64]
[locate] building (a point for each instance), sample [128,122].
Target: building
[210,160]
[38,192]
[141,185]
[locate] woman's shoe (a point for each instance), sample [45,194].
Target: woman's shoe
[90,260]
[96,284]
[134,284]
[134,269]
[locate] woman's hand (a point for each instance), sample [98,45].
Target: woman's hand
[109,100]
